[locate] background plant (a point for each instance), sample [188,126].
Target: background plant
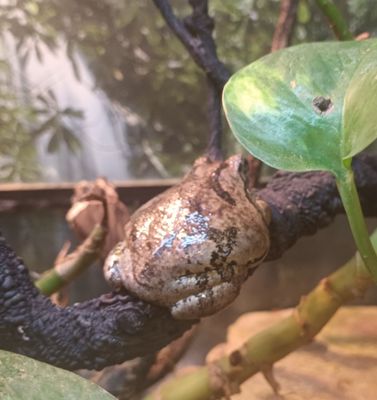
[135,72]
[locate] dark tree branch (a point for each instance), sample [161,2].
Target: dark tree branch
[195,33]
[302,203]
[114,327]
[286,22]
[200,46]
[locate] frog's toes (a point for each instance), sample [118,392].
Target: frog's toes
[206,302]
[111,270]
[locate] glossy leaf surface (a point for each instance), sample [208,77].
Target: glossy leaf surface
[23,378]
[308,107]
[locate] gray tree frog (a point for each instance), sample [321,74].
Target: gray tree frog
[191,247]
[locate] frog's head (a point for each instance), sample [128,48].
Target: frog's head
[230,180]
[233,171]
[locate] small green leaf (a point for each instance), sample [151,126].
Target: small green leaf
[72,58]
[45,126]
[31,7]
[38,52]
[72,112]
[308,107]
[54,142]
[72,142]
[51,95]
[23,378]
[43,100]
[303,12]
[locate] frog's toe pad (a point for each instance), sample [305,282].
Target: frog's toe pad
[205,303]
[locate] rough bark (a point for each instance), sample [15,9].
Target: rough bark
[302,203]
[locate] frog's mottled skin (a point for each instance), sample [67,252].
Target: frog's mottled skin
[192,247]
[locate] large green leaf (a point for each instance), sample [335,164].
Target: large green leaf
[308,107]
[22,378]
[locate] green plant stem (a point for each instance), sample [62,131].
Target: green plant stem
[334,16]
[270,345]
[50,282]
[351,202]
[75,263]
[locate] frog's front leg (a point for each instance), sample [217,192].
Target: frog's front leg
[189,295]
[205,303]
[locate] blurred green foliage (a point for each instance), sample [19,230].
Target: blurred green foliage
[22,119]
[139,63]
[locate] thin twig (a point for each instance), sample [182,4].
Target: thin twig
[74,264]
[67,268]
[284,27]
[337,23]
